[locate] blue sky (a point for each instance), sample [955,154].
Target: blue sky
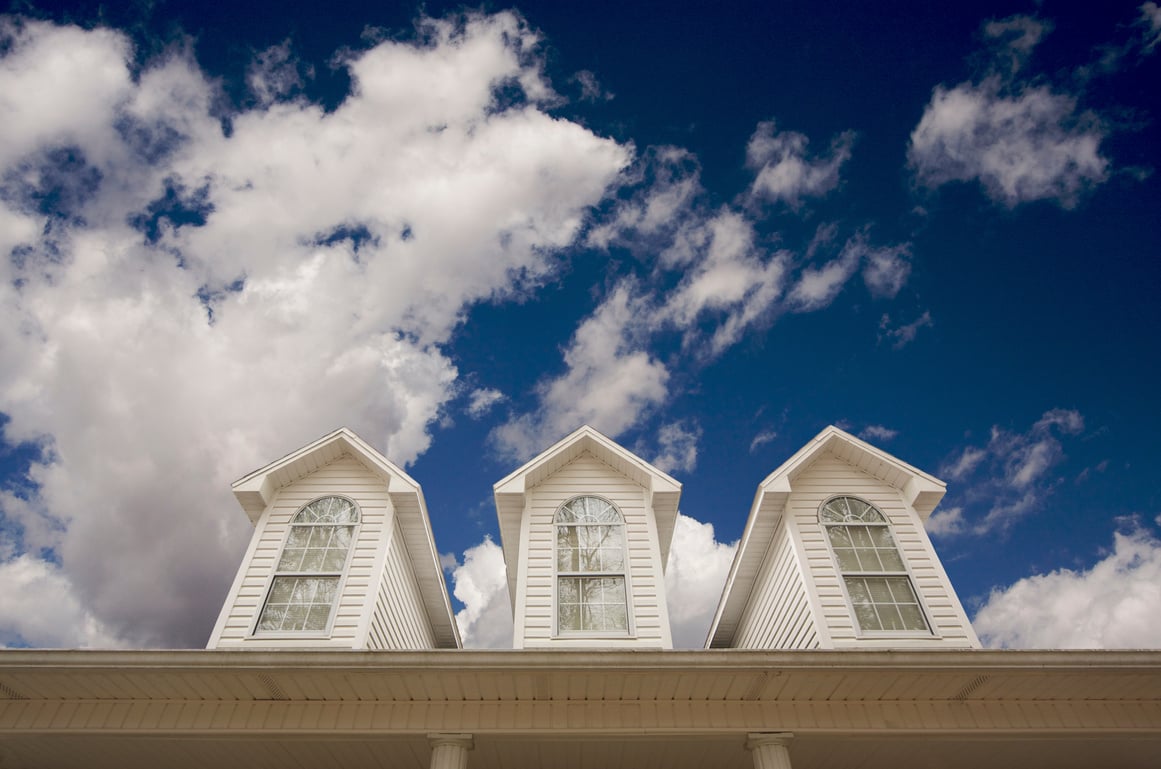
[709,231]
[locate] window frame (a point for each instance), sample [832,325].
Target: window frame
[629,631]
[340,574]
[904,572]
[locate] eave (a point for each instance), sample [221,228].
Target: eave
[375,708]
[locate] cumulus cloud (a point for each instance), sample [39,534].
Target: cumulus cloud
[185,303]
[1020,140]
[696,573]
[1114,604]
[41,609]
[784,172]
[1010,476]
[481,585]
[698,567]
[677,447]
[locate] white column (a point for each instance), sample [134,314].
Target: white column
[450,751]
[771,749]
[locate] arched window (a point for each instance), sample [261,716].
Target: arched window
[590,568]
[873,572]
[305,587]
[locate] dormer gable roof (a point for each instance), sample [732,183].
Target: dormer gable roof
[919,489]
[256,490]
[509,493]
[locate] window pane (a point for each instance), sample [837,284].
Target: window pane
[912,617]
[846,559]
[868,559]
[567,590]
[868,620]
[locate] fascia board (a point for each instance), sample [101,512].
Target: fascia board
[769,501]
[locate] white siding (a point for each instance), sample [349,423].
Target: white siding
[344,476]
[399,621]
[778,614]
[535,614]
[828,476]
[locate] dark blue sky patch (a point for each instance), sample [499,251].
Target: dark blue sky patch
[359,235]
[152,142]
[56,184]
[210,298]
[179,206]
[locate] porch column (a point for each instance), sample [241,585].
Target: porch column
[771,749]
[450,751]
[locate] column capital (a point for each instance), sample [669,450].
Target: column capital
[464,741]
[759,739]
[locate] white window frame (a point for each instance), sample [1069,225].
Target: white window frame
[629,630]
[903,573]
[340,574]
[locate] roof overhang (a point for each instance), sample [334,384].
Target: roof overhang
[256,490]
[580,708]
[664,491]
[919,489]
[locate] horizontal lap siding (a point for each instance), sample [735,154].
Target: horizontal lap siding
[829,476]
[777,615]
[345,477]
[587,475]
[399,621]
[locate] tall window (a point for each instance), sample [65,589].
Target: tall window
[873,572]
[590,568]
[306,581]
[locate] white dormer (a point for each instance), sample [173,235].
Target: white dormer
[835,556]
[585,528]
[342,556]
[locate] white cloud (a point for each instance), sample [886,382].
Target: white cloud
[945,523]
[591,89]
[1032,144]
[877,433]
[694,579]
[41,609]
[1014,38]
[886,270]
[482,399]
[1115,604]
[481,585]
[783,171]
[610,382]
[199,303]
[761,439]
[817,287]
[695,576]
[677,447]
[965,463]
[903,335]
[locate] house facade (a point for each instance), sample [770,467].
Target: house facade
[838,640]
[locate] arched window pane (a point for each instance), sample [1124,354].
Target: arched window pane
[305,586]
[590,568]
[874,574]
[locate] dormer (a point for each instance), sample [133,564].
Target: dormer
[835,556]
[585,528]
[342,556]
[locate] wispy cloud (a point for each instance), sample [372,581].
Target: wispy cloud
[1008,477]
[903,335]
[783,171]
[877,433]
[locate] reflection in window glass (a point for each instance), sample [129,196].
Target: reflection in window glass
[305,588]
[590,568]
[876,580]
